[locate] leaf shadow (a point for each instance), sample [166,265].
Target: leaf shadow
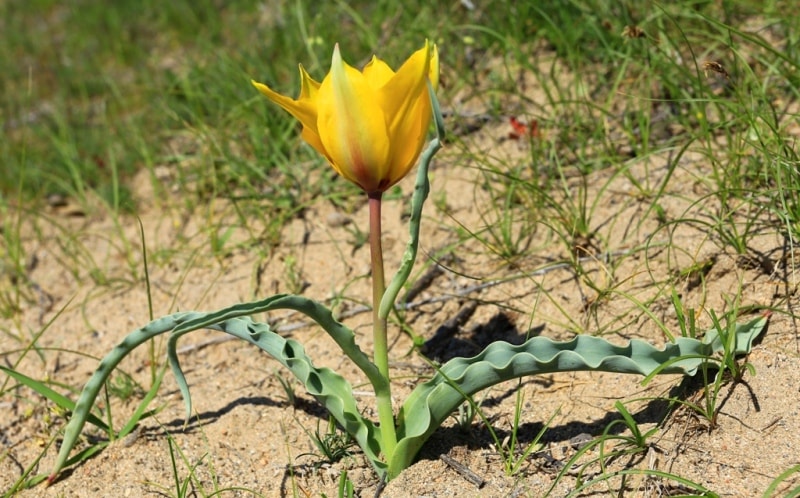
[309,406]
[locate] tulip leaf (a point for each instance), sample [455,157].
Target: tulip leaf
[329,388]
[433,401]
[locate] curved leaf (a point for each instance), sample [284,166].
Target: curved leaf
[332,390]
[432,402]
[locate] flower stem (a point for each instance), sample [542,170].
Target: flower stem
[383,394]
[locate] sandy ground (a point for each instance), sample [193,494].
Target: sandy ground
[246,435]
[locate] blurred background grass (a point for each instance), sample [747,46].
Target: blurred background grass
[93,92]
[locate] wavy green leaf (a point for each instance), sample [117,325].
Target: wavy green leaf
[430,403]
[329,388]
[433,401]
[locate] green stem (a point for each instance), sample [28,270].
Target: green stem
[383,394]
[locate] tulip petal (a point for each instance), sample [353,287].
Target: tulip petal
[433,72]
[407,102]
[400,93]
[377,73]
[304,109]
[308,86]
[412,130]
[352,128]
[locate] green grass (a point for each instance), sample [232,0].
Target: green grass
[686,125]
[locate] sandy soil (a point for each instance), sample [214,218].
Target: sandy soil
[245,433]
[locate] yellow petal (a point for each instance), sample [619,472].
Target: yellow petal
[308,86]
[433,72]
[377,73]
[408,104]
[304,109]
[351,127]
[408,138]
[405,87]
[311,136]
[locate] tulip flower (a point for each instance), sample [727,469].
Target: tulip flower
[370,125]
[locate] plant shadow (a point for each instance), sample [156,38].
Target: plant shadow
[450,341]
[308,406]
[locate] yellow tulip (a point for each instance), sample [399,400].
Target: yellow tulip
[369,124]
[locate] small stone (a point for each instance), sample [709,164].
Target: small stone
[337,219]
